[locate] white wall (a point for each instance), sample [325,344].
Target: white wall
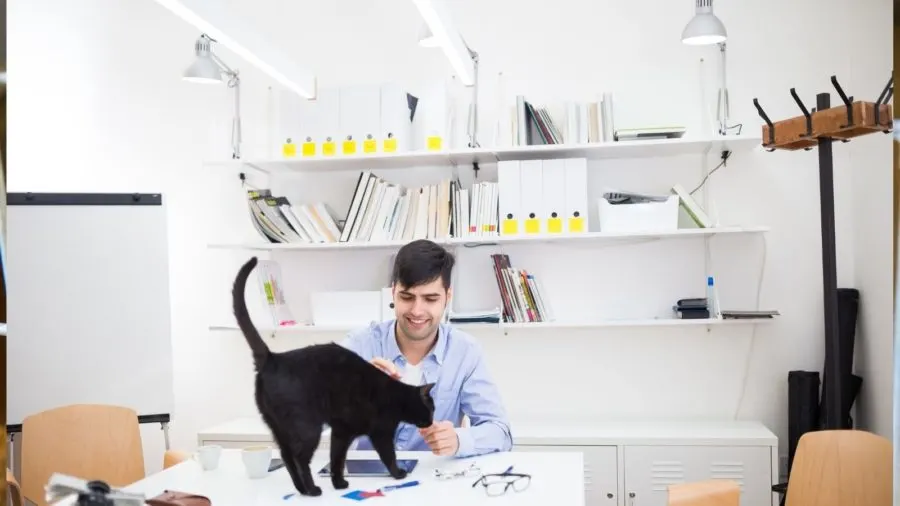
[99,106]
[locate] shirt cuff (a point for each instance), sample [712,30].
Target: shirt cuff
[466,447]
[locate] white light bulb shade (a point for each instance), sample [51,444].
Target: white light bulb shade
[203,70]
[704,28]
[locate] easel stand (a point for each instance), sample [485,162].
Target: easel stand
[820,128]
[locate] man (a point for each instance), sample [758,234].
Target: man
[417,348]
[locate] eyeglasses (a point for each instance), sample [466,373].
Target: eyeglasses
[497,484]
[472,470]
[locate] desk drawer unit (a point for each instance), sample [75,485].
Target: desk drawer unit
[601,471]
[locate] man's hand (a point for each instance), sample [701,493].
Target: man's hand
[386,366]
[441,437]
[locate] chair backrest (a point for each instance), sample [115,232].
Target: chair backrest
[88,441]
[841,468]
[705,493]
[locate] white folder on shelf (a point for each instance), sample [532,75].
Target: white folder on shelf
[577,220]
[510,206]
[531,196]
[553,173]
[396,125]
[328,130]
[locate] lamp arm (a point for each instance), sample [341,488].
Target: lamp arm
[722,106]
[473,107]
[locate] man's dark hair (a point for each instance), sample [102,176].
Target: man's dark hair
[420,262]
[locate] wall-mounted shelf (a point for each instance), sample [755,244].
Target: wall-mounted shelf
[519,239]
[598,151]
[504,327]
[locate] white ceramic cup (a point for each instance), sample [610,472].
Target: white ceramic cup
[208,456]
[256,460]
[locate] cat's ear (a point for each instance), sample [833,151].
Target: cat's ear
[425,389]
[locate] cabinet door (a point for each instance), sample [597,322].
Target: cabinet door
[601,471]
[649,470]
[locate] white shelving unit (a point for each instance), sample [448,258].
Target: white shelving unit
[414,159]
[506,327]
[537,239]
[432,160]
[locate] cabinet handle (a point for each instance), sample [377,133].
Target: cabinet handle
[631,496]
[609,495]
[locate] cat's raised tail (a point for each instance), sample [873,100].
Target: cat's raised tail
[261,352]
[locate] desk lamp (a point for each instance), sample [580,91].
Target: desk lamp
[209,69]
[702,30]
[438,31]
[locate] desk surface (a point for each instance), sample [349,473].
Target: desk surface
[572,432]
[557,478]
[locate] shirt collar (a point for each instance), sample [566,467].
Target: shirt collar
[437,352]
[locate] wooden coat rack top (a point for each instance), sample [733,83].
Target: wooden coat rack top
[853,119]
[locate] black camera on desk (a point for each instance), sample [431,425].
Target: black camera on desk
[90,493]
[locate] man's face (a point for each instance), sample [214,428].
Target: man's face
[419,309]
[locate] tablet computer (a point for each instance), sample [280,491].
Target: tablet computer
[369,467]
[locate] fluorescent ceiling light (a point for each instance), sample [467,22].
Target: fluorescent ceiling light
[213,18]
[704,28]
[426,39]
[445,36]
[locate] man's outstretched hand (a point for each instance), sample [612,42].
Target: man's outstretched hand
[386,366]
[441,438]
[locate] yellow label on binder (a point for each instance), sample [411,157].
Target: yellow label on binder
[309,148]
[576,224]
[532,225]
[289,150]
[434,143]
[554,225]
[370,146]
[510,227]
[390,145]
[329,148]
[349,147]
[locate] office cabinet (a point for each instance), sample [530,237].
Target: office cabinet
[649,470]
[601,471]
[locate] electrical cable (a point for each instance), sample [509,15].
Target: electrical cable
[746,375]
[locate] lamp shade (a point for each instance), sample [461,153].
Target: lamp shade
[704,28]
[203,70]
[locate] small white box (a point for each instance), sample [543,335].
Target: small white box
[643,217]
[346,308]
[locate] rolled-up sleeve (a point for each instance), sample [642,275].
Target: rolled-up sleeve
[489,429]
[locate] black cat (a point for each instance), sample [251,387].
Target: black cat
[299,391]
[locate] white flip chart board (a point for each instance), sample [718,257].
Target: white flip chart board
[88,306]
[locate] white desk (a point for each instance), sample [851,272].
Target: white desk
[622,458]
[555,479]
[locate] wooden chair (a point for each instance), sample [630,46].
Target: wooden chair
[841,468]
[88,441]
[173,457]
[14,490]
[705,493]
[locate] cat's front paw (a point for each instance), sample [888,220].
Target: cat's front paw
[339,483]
[314,491]
[398,473]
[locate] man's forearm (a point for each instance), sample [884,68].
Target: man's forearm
[486,437]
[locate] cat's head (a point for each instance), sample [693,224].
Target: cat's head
[420,410]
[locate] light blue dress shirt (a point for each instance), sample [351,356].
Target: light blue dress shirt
[462,386]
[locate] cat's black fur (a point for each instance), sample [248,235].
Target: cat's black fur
[299,391]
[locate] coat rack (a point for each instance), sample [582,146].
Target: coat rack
[820,128]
